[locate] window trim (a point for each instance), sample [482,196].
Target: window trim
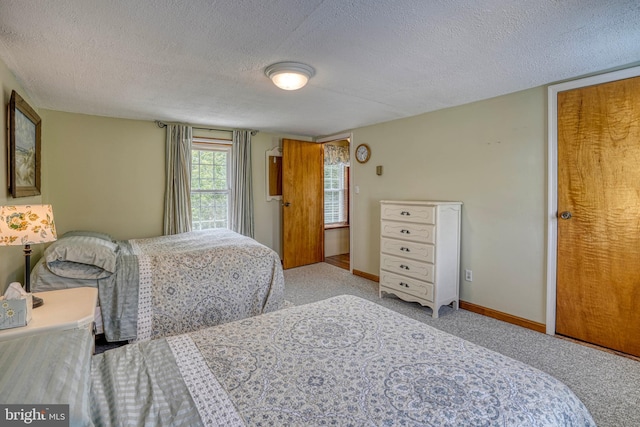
[336,225]
[215,144]
[347,194]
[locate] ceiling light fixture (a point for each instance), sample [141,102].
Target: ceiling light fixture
[289,75]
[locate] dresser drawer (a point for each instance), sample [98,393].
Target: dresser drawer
[407,267]
[423,233]
[406,284]
[409,213]
[417,251]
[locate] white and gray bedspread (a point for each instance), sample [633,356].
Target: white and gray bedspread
[180,283]
[202,278]
[343,361]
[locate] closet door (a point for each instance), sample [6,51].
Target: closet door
[598,280]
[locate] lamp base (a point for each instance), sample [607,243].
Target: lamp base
[37,301]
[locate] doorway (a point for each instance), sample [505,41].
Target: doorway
[304,233]
[336,203]
[593,206]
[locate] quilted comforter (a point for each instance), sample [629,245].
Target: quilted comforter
[343,361]
[193,280]
[168,285]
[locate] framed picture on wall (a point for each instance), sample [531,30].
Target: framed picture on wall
[24,148]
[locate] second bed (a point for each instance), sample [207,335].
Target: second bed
[166,285]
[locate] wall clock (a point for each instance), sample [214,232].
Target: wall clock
[363,152]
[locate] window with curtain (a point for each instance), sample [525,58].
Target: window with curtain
[336,184]
[210,183]
[336,194]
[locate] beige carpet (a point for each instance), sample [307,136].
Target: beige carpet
[609,385]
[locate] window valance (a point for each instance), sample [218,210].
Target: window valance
[336,154]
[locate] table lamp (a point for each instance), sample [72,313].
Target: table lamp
[27,225]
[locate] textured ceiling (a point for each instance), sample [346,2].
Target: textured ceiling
[202,61]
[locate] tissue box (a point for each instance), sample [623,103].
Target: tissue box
[15,312]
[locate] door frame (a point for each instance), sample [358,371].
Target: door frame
[337,137]
[552,178]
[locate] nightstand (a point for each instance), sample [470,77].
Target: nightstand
[62,309]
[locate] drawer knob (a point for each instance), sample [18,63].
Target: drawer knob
[405,249]
[405,231]
[406,285]
[405,213]
[405,267]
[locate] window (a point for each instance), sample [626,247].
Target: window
[210,184]
[336,194]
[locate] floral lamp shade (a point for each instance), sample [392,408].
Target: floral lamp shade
[26,225]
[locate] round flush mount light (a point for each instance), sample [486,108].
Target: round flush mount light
[289,75]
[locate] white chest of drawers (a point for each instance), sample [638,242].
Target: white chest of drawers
[420,251]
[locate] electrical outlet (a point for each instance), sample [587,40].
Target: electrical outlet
[468,275]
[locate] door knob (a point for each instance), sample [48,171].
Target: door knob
[286,204]
[565,215]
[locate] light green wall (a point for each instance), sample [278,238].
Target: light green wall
[11,257]
[104,174]
[267,215]
[336,241]
[491,155]
[107,174]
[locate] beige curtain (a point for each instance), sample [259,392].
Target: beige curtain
[177,195]
[242,206]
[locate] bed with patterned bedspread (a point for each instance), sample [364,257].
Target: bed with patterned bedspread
[162,286]
[343,361]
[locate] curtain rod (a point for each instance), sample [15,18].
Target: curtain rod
[163,125]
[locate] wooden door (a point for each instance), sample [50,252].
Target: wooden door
[598,282]
[303,203]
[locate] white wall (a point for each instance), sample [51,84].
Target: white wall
[491,156]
